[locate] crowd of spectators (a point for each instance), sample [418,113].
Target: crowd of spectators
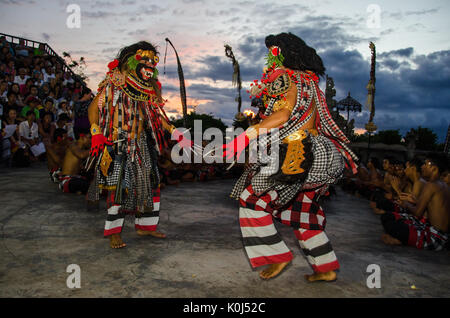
[43,108]
[412,198]
[38,95]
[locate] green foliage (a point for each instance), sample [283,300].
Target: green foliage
[423,138]
[77,67]
[420,138]
[389,137]
[244,124]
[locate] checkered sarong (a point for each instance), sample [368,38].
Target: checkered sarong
[264,245]
[421,233]
[326,169]
[137,178]
[140,176]
[304,211]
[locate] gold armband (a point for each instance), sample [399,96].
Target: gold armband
[95,130]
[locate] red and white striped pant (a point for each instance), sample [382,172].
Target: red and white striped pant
[147,221]
[263,243]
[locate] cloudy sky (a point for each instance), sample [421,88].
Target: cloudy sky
[413,47]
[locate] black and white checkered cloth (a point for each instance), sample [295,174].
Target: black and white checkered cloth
[328,163]
[137,177]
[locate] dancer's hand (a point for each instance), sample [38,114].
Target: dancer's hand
[182,140]
[98,142]
[408,197]
[236,146]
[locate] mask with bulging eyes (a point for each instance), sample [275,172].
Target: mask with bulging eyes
[144,64]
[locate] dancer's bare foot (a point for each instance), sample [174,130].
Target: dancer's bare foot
[389,240]
[116,241]
[328,277]
[152,233]
[273,270]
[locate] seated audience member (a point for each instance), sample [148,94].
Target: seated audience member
[363,173]
[413,228]
[9,144]
[366,187]
[393,184]
[10,69]
[48,108]
[445,177]
[11,101]
[71,180]
[44,91]
[413,173]
[81,119]
[400,182]
[45,128]
[56,152]
[61,123]
[64,109]
[33,91]
[28,130]
[374,169]
[31,105]
[22,77]
[3,91]
[21,49]
[18,98]
[28,137]
[38,78]
[25,90]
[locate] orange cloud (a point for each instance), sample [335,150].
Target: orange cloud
[360,131]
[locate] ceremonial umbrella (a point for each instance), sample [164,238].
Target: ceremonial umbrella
[349,104]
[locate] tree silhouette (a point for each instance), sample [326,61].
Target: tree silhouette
[77,67]
[423,138]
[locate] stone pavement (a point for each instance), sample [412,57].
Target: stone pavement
[43,231]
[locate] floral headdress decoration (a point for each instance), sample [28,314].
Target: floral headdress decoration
[134,60]
[274,58]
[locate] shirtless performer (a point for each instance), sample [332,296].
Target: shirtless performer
[395,182]
[313,155]
[414,229]
[366,187]
[127,128]
[56,152]
[413,173]
[77,152]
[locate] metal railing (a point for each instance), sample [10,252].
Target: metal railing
[47,49]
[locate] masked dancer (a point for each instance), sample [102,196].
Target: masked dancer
[128,126]
[312,155]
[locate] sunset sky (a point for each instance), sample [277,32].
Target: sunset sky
[412,40]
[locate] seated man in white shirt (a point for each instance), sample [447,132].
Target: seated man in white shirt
[29,136]
[22,77]
[49,73]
